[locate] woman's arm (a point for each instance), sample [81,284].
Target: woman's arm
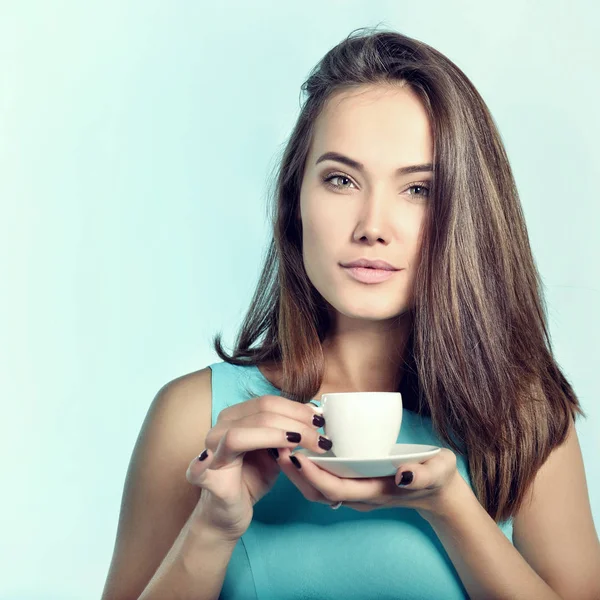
[194,568]
[158,554]
[556,555]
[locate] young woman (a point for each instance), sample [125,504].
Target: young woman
[396,158]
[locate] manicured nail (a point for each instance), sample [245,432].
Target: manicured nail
[407,478]
[274,453]
[318,421]
[325,443]
[203,455]
[293,436]
[296,462]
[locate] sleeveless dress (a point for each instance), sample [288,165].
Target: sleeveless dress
[297,549]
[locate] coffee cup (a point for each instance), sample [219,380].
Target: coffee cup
[362,424]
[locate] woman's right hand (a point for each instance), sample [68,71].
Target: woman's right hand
[238,470]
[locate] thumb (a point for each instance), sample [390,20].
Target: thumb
[431,474]
[196,471]
[407,477]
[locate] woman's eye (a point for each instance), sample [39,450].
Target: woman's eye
[328,180]
[420,187]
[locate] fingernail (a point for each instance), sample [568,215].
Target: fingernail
[407,478]
[325,443]
[293,436]
[318,421]
[296,462]
[274,453]
[203,455]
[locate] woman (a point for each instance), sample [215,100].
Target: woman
[394,157]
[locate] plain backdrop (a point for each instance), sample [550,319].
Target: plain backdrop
[137,141]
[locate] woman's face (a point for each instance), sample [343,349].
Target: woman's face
[373,212]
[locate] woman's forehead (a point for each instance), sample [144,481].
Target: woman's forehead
[380,136]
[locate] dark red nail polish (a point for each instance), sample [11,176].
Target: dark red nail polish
[325,443]
[407,478]
[293,436]
[296,462]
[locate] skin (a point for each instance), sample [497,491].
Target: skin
[375,214]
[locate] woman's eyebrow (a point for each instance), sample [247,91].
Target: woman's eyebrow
[360,167]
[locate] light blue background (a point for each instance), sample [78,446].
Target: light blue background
[136,146]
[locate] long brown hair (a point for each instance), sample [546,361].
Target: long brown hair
[479,357]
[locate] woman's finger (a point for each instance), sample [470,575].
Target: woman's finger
[196,471]
[431,474]
[309,434]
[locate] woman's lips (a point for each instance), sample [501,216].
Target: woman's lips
[367,275]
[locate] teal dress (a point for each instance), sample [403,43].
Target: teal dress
[297,549]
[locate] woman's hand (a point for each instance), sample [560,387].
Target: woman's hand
[236,471]
[427,491]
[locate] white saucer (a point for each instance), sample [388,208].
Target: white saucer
[360,468]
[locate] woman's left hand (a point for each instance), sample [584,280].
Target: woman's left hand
[428,491]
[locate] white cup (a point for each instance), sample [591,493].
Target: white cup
[362,424]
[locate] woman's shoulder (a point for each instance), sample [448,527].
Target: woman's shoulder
[189,384]
[187,399]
